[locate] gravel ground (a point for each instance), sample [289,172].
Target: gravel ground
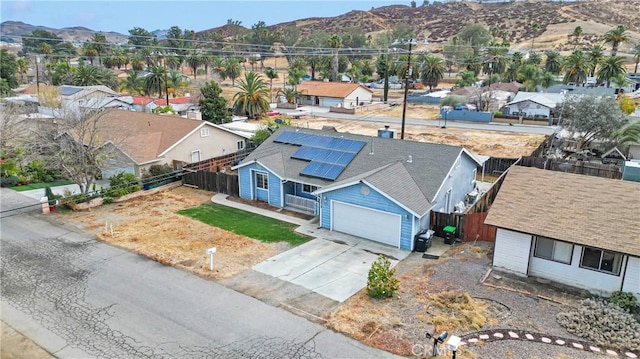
[463,267]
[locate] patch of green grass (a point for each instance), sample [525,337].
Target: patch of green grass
[245,223]
[31,186]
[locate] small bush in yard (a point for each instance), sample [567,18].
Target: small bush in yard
[603,323]
[382,282]
[624,300]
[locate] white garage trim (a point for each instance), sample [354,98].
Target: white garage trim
[357,220]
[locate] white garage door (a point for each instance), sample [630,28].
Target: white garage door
[367,223]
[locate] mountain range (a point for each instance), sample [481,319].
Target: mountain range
[437,22]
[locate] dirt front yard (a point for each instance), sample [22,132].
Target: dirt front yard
[150,226]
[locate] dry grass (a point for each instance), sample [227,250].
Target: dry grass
[150,226]
[457,311]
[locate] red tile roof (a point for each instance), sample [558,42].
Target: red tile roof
[173,101]
[141,100]
[328,89]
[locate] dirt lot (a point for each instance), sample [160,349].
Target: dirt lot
[488,143]
[150,226]
[14,345]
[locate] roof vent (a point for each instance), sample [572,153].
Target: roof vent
[410,159]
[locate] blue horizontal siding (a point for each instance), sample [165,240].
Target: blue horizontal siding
[374,200]
[248,185]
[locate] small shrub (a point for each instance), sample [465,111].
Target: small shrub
[624,300]
[107,200]
[381,282]
[8,181]
[49,194]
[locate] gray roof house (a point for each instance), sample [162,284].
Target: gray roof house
[382,189]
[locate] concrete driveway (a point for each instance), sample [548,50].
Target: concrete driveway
[333,264]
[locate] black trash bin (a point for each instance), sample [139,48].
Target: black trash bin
[423,240]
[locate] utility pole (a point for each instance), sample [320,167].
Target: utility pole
[411,42]
[166,83]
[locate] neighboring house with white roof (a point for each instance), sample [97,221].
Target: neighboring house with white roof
[533,104]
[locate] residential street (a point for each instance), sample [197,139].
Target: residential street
[78,298]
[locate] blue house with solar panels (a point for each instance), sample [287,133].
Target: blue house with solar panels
[381,189]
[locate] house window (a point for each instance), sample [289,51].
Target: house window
[553,250]
[307,188]
[195,156]
[600,260]
[240,145]
[204,132]
[262,180]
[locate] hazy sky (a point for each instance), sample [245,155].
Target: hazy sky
[120,16]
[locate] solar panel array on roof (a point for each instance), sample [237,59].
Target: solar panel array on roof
[328,156]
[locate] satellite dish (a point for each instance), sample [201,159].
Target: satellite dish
[565,166]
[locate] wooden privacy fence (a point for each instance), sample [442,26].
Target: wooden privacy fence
[215,164]
[612,171]
[213,181]
[495,166]
[469,226]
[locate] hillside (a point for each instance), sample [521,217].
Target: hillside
[438,22]
[12,30]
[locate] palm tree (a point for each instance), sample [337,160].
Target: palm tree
[529,75]
[90,53]
[535,27]
[177,82]
[252,98]
[232,70]
[173,61]
[596,54]
[334,42]
[620,80]
[629,133]
[193,60]
[473,63]
[611,67]
[271,74]
[576,66]
[553,63]
[636,57]
[219,68]
[133,84]
[546,79]
[154,81]
[466,78]
[615,37]
[22,65]
[577,32]
[289,94]
[432,71]
[87,76]
[98,44]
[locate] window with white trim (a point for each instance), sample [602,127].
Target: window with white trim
[240,145]
[550,249]
[262,180]
[204,132]
[195,156]
[307,188]
[601,260]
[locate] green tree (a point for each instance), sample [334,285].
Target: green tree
[595,56]
[232,70]
[535,27]
[335,43]
[98,43]
[381,281]
[466,78]
[213,105]
[271,74]
[5,89]
[22,66]
[615,37]
[253,95]
[553,62]
[8,68]
[177,83]
[529,75]
[289,94]
[32,42]
[133,83]
[620,80]
[577,33]
[629,133]
[610,68]
[636,57]
[576,67]
[88,76]
[475,35]
[591,117]
[154,81]
[194,61]
[432,71]
[139,37]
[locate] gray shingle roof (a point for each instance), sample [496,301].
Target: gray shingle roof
[413,184]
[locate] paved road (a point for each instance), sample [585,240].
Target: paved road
[80,298]
[396,121]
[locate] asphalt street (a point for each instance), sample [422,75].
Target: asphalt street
[80,298]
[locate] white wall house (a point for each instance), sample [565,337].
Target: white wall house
[328,94]
[576,230]
[534,104]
